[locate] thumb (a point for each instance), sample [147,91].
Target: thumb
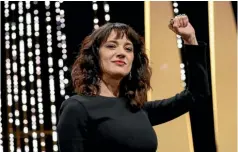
[174,26]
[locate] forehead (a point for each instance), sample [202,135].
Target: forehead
[115,35]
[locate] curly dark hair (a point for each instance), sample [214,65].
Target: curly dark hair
[86,71]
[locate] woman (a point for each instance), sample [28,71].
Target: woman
[112,76]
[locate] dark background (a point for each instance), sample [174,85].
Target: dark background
[79,23]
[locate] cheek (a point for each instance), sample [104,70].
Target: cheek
[131,59]
[105,63]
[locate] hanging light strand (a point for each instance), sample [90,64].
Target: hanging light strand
[38,77]
[1,141]
[23,74]
[61,38]
[8,74]
[15,78]
[31,76]
[51,76]
[180,45]
[95,20]
[106,11]
[16,113]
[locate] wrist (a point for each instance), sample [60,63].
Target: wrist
[191,40]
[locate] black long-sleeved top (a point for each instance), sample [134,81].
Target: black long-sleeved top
[107,124]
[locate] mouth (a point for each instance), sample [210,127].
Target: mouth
[119,62]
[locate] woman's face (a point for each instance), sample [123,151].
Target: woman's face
[116,56]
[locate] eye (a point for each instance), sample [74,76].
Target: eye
[111,46]
[129,49]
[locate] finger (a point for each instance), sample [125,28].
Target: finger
[176,23]
[171,22]
[170,26]
[180,19]
[177,20]
[183,22]
[186,20]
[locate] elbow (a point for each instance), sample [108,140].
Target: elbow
[200,95]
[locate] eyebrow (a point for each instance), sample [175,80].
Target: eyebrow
[114,41]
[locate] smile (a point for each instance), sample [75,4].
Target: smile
[119,62]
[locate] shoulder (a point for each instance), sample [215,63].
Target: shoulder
[72,112]
[73,104]
[80,102]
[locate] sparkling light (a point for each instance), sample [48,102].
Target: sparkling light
[106,10]
[61,38]
[31,71]
[1,141]
[24,88]
[38,76]
[180,45]
[9,62]
[95,20]
[50,59]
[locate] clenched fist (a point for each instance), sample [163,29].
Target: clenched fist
[181,26]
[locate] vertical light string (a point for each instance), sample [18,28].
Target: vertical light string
[1,142]
[38,77]
[176,12]
[23,74]
[95,20]
[180,45]
[183,78]
[31,76]
[16,125]
[15,79]
[61,44]
[51,76]
[106,11]
[1,127]
[8,76]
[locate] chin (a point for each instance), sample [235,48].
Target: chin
[119,74]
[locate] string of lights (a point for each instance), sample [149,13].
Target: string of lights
[106,11]
[15,78]
[9,65]
[38,77]
[8,76]
[31,76]
[95,20]
[180,45]
[23,74]
[61,39]
[24,84]
[51,75]
[24,90]
[1,136]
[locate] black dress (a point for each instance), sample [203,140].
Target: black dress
[108,124]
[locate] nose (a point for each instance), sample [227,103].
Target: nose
[121,53]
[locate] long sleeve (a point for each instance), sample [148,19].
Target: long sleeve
[160,111]
[72,126]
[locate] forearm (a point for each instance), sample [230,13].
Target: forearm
[196,67]
[191,40]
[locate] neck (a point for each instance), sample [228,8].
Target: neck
[109,87]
